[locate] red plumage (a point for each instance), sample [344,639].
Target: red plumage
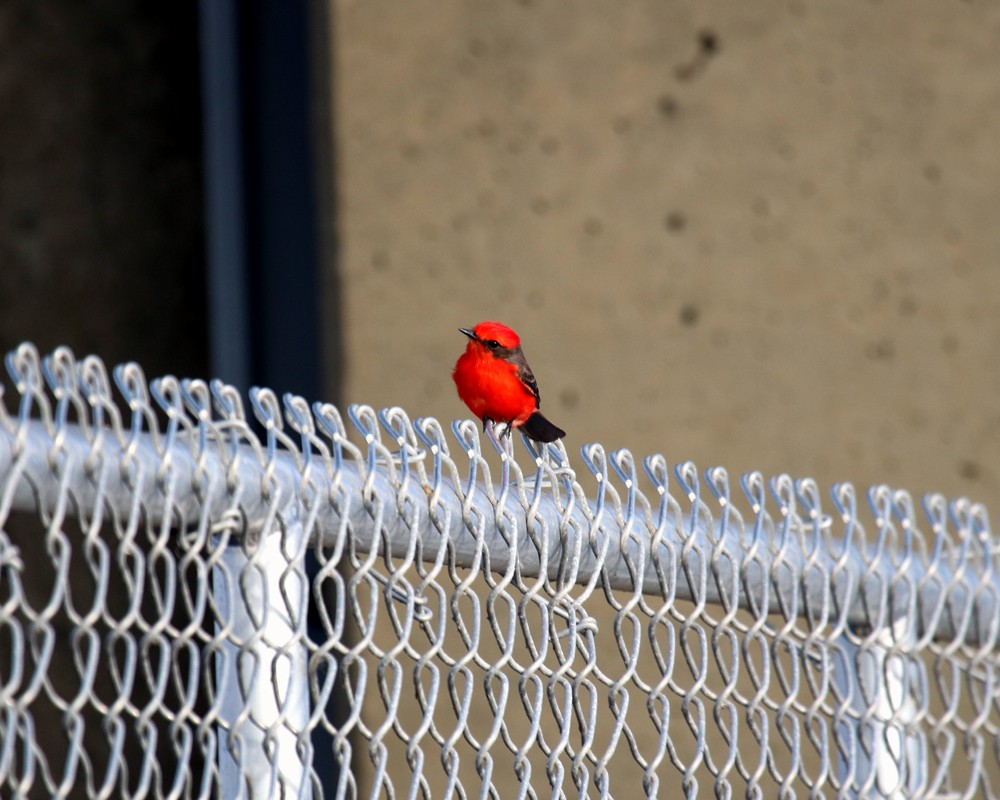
[494,380]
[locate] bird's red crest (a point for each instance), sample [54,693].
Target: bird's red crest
[499,332]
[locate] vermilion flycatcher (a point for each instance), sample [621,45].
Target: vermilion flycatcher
[497,385]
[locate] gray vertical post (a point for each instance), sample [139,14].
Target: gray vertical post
[225,192]
[895,765]
[262,674]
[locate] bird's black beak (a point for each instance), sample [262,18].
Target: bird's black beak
[468,332]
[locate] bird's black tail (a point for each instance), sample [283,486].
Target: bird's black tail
[540,429]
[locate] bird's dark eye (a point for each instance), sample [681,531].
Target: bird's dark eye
[493,344]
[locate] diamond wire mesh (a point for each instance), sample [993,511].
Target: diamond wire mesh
[477,630]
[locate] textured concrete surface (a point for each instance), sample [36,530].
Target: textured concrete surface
[756,235]
[100,198]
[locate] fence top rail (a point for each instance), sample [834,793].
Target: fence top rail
[407,490]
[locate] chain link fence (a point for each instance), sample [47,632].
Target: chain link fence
[197,601]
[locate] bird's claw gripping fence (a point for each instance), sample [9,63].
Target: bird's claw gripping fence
[200,602]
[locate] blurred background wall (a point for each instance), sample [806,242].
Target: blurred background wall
[757,235]
[101,232]
[754,235]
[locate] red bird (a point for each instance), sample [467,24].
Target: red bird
[497,385]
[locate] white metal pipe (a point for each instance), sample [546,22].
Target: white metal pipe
[973,612]
[262,676]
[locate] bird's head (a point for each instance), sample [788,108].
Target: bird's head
[494,336]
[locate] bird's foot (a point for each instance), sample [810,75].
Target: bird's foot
[502,429]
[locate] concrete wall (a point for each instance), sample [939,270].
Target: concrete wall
[758,235]
[100,182]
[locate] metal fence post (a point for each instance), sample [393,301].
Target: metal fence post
[261,673]
[887,761]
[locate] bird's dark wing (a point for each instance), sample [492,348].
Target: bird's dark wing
[524,373]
